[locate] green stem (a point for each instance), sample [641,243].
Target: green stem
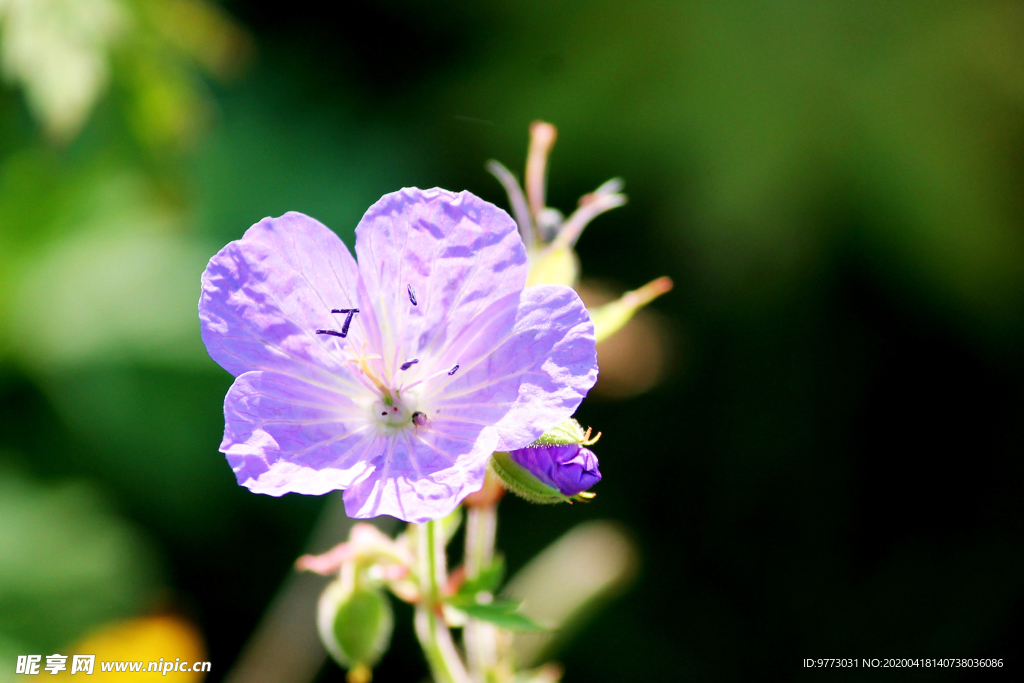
[436,640]
[480,637]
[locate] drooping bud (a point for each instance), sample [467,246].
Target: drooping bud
[556,468]
[354,621]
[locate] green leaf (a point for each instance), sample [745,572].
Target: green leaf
[487,581]
[57,50]
[502,613]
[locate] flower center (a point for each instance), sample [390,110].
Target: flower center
[394,405]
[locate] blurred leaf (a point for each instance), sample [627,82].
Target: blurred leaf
[57,51]
[121,286]
[168,104]
[201,30]
[502,613]
[68,564]
[488,581]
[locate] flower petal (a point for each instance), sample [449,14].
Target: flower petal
[531,378]
[456,252]
[284,435]
[264,297]
[424,474]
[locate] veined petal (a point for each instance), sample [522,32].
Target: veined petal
[532,377]
[423,474]
[285,435]
[455,252]
[265,295]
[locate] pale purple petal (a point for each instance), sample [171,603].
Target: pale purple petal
[264,297]
[531,378]
[285,435]
[457,252]
[423,474]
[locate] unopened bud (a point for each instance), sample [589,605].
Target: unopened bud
[556,468]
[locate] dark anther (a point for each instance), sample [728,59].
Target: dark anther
[419,419]
[348,321]
[409,363]
[453,370]
[412,296]
[384,414]
[349,312]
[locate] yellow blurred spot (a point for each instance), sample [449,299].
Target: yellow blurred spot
[148,639]
[360,674]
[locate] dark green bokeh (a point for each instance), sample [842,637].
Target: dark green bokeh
[833,468]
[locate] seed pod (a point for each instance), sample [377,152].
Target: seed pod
[355,623]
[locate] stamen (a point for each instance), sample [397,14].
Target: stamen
[344,328]
[409,363]
[412,295]
[429,377]
[419,419]
[362,362]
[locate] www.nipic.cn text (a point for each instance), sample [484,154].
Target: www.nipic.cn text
[86,664]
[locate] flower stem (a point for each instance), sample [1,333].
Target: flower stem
[436,640]
[480,637]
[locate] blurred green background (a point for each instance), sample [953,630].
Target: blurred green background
[831,463]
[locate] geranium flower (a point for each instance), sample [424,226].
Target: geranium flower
[397,377]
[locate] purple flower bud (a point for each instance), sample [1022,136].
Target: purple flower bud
[570,468]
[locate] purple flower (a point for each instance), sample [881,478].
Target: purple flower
[570,468]
[397,377]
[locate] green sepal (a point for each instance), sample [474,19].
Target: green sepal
[521,481]
[502,613]
[567,432]
[355,623]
